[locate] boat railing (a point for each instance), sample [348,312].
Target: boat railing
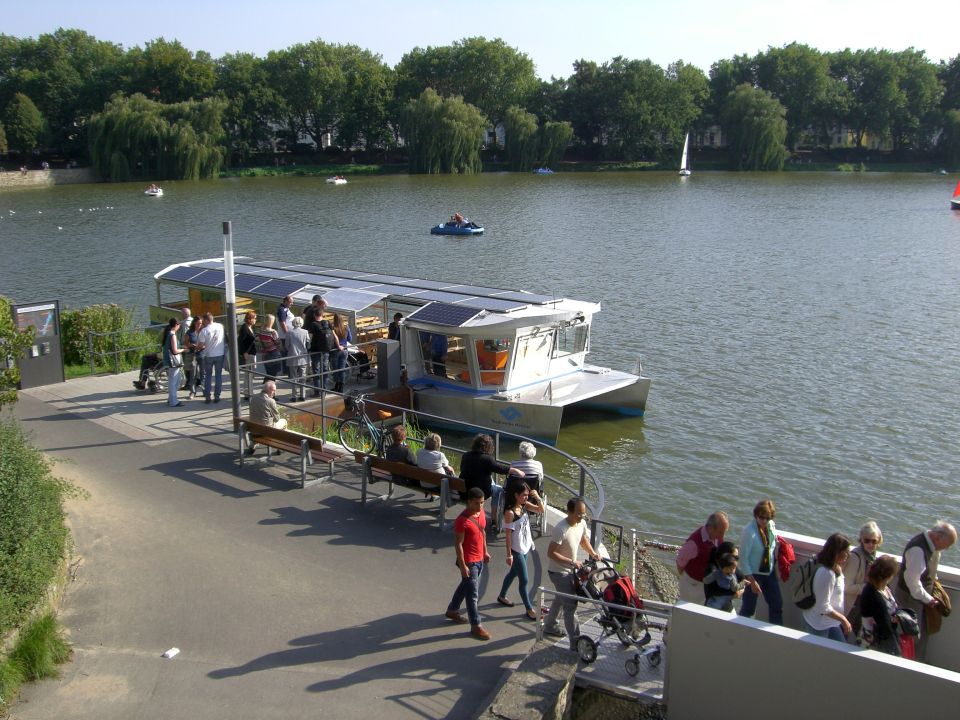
[578,480]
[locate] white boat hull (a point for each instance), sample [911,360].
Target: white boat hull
[537,411]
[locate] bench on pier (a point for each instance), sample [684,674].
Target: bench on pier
[439,485]
[308,448]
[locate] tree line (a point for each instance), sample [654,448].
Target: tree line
[165,111]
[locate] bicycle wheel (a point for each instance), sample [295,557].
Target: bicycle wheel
[355,436]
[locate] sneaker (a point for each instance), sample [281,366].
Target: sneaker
[250,451]
[554,632]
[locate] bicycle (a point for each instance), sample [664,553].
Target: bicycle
[358,433]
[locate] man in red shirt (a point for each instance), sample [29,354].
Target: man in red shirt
[470,542]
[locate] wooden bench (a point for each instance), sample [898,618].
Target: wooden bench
[438,485]
[310,449]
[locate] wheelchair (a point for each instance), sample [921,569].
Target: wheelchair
[538,521]
[153,375]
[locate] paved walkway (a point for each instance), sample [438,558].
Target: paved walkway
[284,603]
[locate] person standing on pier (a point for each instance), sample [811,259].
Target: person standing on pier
[917,586]
[213,346]
[470,543]
[694,555]
[758,561]
[569,535]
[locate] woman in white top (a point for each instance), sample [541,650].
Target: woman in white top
[519,499]
[429,456]
[858,564]
[826,617]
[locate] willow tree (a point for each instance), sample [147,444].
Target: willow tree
[135,136]
[554,138]
[444,135]
[521,129]
[755,123]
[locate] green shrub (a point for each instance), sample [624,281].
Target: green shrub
[32,533]
[11,678]
[77,324]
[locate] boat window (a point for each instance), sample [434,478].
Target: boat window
[532,357]
[445,356]
[571,340]
[492,357]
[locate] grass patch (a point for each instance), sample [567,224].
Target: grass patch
[77,371]
[38,652]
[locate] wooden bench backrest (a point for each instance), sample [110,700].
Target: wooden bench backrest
[412,472]
[256,429]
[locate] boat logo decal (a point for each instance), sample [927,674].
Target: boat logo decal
[511,414]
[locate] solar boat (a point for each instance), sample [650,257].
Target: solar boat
[505,359]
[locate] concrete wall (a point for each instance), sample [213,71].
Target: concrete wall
[42,178]
[722,666]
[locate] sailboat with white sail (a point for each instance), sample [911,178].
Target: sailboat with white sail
[684,161]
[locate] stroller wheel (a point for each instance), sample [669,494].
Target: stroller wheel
[632,667]
[586,649]
[655,657]
[623,635]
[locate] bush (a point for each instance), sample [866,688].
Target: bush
[39,649]
[32,533]
[77,324]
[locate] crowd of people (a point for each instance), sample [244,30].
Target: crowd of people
[194,351]
[859,595]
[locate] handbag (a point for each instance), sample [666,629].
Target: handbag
[907,620]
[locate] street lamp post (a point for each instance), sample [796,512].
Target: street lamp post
[231,319]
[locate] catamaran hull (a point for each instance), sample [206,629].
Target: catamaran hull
[537,411]
[955,204]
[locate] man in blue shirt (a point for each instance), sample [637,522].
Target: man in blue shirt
[438,354]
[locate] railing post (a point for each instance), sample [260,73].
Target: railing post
[116,356]
[633,554]
[583,481]
[90,352]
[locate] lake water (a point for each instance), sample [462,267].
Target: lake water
[801,329]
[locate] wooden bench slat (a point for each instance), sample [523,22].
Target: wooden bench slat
[288,441]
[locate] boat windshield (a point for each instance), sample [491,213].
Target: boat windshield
[571,340]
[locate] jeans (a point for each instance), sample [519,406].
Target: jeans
[211,364]
[297,374]
[469,590]
[770,587]
[831,633]
[319,364]
[341,364]
[563,582]
[174,376]
[518,570]
[272,365]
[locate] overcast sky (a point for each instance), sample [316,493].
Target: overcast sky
[553,34]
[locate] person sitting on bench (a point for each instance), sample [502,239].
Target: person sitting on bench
[264,411]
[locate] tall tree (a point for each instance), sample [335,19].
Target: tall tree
[554,139]
[755,123]
[168,72]
[488,74]
[521,129]
[919,118]
[136,136]
[872,91]
[950,139]
[443,135]
[798,76]
[251,104]
[23,124]
[336,89]
[725,77]
[949,74]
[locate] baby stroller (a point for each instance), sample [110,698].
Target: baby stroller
[153,375]
[600,580]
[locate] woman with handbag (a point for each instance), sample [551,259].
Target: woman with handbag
[172,361]
[878,608]
[858,564]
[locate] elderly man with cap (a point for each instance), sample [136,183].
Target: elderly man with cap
[918,576]
[694,555]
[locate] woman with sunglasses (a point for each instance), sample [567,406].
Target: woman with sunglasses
[758,553]
[858,564]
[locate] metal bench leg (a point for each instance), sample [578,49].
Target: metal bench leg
[444,494]
[242,438]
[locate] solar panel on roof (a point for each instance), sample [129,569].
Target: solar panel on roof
[246,283]
[527,298]
[392,289]
[437,313]
[279,288]
[182,273]
[210,278]
[493,304]
[440,296]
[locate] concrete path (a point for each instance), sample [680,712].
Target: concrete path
[284,603]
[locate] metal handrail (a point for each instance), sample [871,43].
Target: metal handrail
[651,608]
[596,508]
[115,352]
